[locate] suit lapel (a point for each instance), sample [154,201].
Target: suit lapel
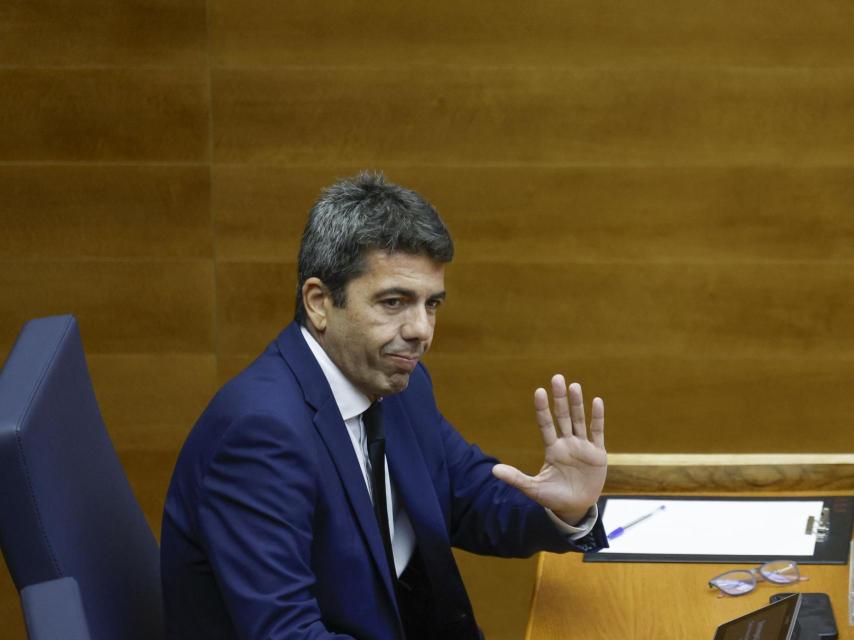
[409,473]
[415,488]
[333,432]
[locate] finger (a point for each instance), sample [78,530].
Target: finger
[544,417]
[561,404]
[576,410]
[597,423]
[515,478]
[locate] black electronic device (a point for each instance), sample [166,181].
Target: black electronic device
[815,617]
[776,621]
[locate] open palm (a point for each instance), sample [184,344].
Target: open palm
[573,474]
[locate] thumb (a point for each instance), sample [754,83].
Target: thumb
[515,478]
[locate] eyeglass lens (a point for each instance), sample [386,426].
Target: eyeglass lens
[740,581]
[780,571]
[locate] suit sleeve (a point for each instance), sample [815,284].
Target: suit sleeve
[486,515]
[490,517]
[255,521]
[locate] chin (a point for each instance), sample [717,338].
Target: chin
[396,384]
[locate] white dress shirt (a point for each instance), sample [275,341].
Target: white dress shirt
[352,403]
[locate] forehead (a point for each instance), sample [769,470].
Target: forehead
[415,272]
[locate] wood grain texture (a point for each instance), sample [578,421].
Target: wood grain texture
[498,589]
[734,472]
[103,115]
[102,32]
[720,309]
[79,211]
[623,600]
[10,606]
[230,366]
[150,401]
[254,303]
[655,403]
[612,308]
[560,215]
[149,473]
[563,215]
[543,33]
[122,307]
[260,212]
[719,117]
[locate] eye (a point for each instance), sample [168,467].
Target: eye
[391,303]
[432,305]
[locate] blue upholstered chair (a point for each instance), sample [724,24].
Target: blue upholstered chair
[73,536]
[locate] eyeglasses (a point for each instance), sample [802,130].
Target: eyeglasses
[741,581]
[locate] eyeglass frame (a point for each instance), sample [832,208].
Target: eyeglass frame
[756,574]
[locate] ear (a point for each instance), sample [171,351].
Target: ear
[315,297]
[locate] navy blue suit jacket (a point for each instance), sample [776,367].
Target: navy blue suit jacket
[269,532]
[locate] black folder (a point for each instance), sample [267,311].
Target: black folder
[833,532]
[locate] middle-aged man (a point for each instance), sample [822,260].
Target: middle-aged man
[321,491]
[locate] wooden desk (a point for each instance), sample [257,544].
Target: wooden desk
[627,601]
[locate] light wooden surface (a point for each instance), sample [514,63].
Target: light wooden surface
[640,601]
[633,473]
[636,600]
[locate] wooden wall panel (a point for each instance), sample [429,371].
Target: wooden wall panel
[557,215]
[150,401]
[488,581]
[102,32]
[149,472]
[99,97]
[10,607]
[542,33]
[255,301]
[608,308]
[685,402]
[260,212]
[539,116]
[103,115]
[80,211]
[122,307]
[650,308]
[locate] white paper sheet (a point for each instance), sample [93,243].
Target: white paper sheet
[713,527]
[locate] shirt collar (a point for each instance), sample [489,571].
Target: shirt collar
[351,402]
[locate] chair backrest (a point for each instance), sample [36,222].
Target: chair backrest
[66,508]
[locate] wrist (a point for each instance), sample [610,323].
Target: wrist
[573,517]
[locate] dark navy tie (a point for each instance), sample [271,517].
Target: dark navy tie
[373,421]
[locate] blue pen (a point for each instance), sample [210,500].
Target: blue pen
[616,533]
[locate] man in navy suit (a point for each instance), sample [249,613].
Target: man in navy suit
[321,491]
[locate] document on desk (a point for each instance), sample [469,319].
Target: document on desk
[680,529]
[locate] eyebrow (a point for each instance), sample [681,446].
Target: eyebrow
[407,293]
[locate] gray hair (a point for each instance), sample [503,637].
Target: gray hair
[359,214]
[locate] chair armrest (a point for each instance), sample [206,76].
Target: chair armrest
[53,610]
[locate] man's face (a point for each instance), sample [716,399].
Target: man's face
[387,322]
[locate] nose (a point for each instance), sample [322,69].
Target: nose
[418,325]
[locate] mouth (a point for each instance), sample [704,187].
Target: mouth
[403,362]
